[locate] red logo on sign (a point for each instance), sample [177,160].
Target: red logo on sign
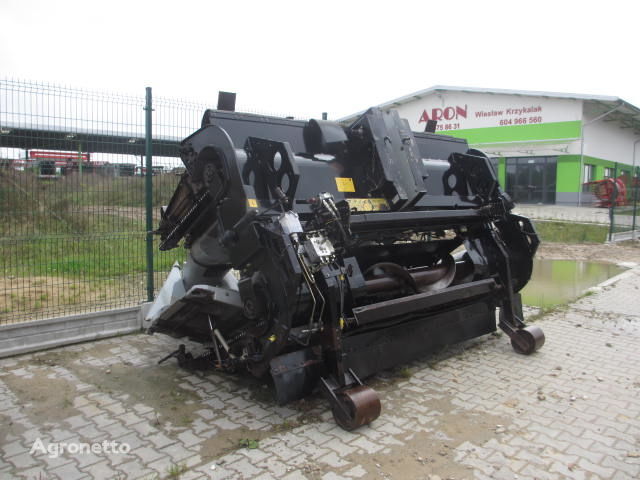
[447,113]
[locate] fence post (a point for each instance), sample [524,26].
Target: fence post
[613,199]
[148,150]
[635,185]
[80,160]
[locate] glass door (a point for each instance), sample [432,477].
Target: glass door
[531,179]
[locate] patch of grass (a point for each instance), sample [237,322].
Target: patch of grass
[186,420]
[84,227]
[101,256]
[311,418]
[286,426]
[405,372]
[175,471]
[544,311]
[568,232]
[290,424]
[249,443]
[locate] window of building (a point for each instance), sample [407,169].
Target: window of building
[588,175]
[609,172]
[531,179]
[495,162]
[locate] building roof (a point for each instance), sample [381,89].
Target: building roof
[62,138]
[626,113]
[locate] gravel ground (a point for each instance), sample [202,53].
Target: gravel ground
[624,252]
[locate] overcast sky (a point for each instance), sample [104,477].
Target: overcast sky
[304,58]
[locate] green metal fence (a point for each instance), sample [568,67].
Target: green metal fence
[74,192]
[623,211]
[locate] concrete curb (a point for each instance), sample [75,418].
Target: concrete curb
[54,332]
[633,270]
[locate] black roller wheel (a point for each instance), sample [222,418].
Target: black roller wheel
[362,406]
[528,340]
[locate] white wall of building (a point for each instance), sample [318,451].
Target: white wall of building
[470,110]
[466,110]
[609,141]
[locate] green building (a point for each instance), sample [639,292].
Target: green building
[546,145]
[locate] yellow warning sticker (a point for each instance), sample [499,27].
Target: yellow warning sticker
[368,204]
[252,202]
[345,184]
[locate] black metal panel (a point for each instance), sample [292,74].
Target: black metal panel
[439,147]
[241,126]
[372,352]
[422,301]
[296,374]
[227,101]
[434,219]
[398,156]
[315,177]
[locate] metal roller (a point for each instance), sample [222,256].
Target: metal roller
[528,340]
[361,407]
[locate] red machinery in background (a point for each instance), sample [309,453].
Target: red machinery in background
[54,161]
[610,192]
[61,159]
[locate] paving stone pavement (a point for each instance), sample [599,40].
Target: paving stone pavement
[478,411]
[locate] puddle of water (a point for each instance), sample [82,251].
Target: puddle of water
[554,282]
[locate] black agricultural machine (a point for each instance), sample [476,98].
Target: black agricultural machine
[320,253]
